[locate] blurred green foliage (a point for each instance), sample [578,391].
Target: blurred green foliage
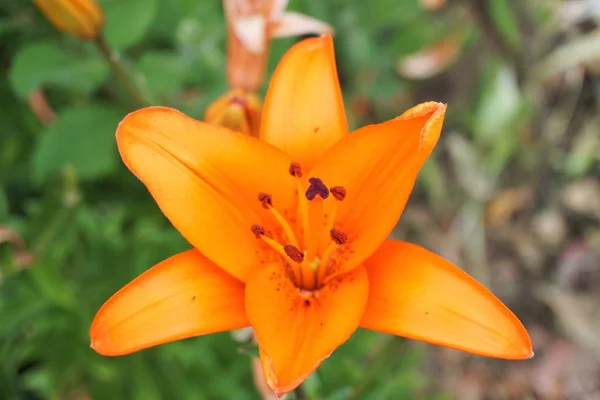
[88,226]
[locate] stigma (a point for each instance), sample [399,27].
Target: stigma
[309,242]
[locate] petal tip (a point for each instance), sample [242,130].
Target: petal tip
[431,114]
[98,340]
[316,42]
[433,126]
[137,116]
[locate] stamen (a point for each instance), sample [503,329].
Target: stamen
[296,170]
[267,202]
[294,253]
[338,237]
[317,187]
[265,199]
[284,251]
[325,257]
[302,209]
[339,192]
[275,245]
[257,230]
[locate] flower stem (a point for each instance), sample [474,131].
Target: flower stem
[300,393]
[138,99]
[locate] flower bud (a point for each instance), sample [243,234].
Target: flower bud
[237,110]
[81,18]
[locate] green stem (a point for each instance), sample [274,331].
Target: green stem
[121,73]
[300,394]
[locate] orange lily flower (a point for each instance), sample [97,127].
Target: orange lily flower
[289,232]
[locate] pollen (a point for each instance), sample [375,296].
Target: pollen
[338,237]
[266,200]
[294,253]
[339,192]
[317,187]
[257,230]
[295,170]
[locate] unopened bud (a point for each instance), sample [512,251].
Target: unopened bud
[237,110]
[81,18]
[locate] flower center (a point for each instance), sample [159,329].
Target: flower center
[309,259]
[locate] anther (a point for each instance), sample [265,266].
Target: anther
[339,192]
[296,170]
[257,230]
[294,253]
[338,237]
[317,187]
[265,199]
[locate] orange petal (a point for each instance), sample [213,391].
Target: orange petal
[206,180]
[417,294]
[296,330]
[304,111]
[378,165]
[183,296]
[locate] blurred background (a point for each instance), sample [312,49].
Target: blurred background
[511,193]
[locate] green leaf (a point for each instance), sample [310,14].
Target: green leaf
[585,151]
[505,21]
[500,104]
[43,63]
[81,138]
[3,205]
[163,71]
[127,21]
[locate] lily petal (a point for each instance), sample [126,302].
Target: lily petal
[304,111]
[378,165]
[297,330]
[417,294]
[206,180]
[183,296]
[277,9]
[251,31]
[295,24]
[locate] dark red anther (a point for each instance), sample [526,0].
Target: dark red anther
[317,187]
[294,253]
[257,230]
[339,192]
[296,170]
[265,199]
[338,237]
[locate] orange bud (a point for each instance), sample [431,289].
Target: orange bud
[81,18]
[237,110]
